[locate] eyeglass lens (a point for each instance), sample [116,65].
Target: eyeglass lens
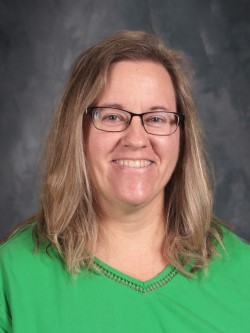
[116,120]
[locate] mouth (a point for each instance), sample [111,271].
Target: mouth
[134,163]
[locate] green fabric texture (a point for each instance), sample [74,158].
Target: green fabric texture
[37,294]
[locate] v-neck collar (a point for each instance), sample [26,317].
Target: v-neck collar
[143,287]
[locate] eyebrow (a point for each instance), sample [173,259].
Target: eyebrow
[113,105]
[120,106]
[159,107]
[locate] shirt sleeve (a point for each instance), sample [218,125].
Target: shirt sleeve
[5,315]
[5,323]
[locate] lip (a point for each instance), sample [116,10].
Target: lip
[133,163]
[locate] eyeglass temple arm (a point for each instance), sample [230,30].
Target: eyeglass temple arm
[88,111]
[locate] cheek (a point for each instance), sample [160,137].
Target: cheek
[93,145]
[176,149]
[97,150]
[170,157]
[100,144]
[169,147]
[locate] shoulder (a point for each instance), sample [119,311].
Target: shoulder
[233,257]
[19,253]
[235,248]
[18,245]
[23,265]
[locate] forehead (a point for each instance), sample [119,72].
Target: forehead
[125,69]
[133,82]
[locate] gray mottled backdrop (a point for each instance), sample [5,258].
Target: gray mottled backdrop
[39,41]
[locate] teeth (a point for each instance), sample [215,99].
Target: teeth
[134,164]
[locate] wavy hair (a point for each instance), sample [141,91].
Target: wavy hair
[67,217]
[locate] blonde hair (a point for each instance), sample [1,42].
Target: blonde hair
[67,217]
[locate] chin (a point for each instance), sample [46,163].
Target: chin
[140,200]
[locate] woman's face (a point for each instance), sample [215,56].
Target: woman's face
[131,168]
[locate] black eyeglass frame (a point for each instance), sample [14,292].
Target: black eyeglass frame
[90,112]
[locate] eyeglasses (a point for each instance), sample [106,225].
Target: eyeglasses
[109,119]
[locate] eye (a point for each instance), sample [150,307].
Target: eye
[111,116]
[114,117]
[156,119]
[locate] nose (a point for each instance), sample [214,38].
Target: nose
[135,135]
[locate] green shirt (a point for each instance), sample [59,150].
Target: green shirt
[37,294]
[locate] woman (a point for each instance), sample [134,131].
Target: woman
[125,237]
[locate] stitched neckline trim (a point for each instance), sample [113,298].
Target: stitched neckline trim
[143,287]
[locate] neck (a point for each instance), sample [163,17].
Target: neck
[133,239]
[132,222]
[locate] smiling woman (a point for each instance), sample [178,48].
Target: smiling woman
[125,237]
[114,157]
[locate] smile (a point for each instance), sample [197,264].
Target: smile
[134,163]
